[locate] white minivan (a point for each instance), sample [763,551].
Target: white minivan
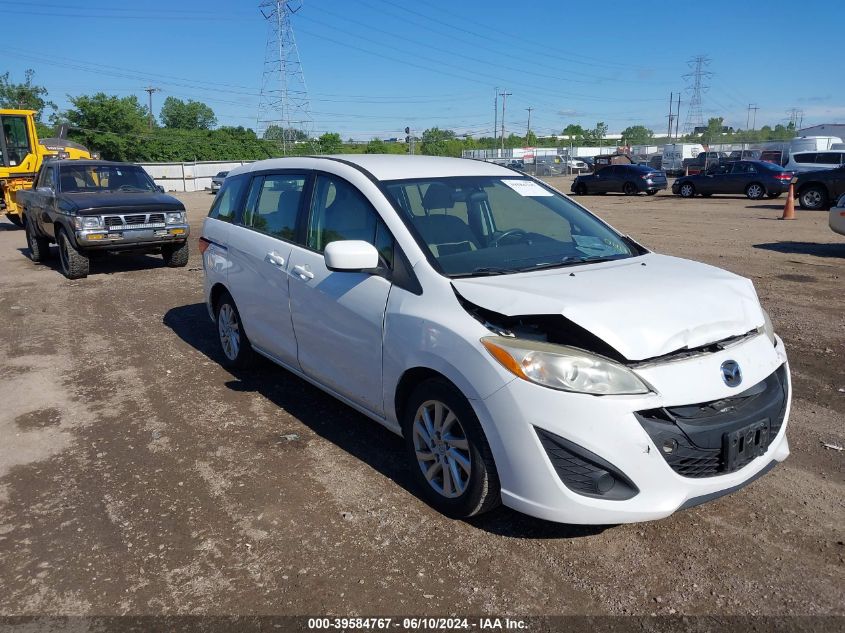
[527,352]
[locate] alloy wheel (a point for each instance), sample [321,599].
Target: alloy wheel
[229,330]
[442,449]
[687,190]
[755,191]
[812,199]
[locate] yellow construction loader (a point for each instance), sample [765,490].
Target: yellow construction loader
[21,156]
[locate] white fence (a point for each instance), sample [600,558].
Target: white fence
[188,176]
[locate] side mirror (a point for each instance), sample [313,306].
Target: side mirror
[350,255]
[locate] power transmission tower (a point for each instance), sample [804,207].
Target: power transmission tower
[283,104]
[796,117]
[504,94]
[697,76]
[150,90]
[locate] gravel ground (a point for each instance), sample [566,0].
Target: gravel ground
[137,476]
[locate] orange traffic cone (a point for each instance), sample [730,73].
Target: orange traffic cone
[789,207]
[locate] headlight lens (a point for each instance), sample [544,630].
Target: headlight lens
[88,222]
[767,328]
[563,368]
[176,218]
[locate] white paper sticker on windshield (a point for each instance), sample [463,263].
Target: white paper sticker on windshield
[527,188]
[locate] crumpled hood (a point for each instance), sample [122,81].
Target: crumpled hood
[643,307]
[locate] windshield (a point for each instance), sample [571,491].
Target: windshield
[94,178]
[483,225]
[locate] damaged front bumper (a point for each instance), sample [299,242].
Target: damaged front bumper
[585,459]
[129,238]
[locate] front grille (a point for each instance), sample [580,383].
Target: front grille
[113,220]
[699,434]
[156,217]
[134,219]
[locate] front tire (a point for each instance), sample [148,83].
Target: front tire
[234,343]
[75,265]
[755,191]
[175,256]
[581,189]
[39,247]
[687,190]
[813,198]
[448,451]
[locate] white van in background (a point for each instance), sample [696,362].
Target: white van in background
[674,155]
[812,143]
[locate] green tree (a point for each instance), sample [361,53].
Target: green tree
[437,142]
[637,135]
[107,113]
[376,146]
[598,133]
[187,115]
[575,132]
[25,96]
[277,133]
[330,143]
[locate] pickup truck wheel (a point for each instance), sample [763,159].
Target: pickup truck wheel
[448,451]
[237,350]
[175,256]
[75,265]
[813,198]
[15,219]
[39,247]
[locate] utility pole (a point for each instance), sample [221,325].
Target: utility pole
[671,117]
[528,133]
[504,96]
[752,107]
[678,116]
[495,114]
[150,90]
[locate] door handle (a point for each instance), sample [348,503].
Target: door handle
[276,259]
[303,272]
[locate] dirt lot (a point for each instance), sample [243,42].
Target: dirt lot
[139,477]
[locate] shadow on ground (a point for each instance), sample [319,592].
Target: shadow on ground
[805,248]
[354,433]
[105,263]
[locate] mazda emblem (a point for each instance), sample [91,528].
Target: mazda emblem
[731,373]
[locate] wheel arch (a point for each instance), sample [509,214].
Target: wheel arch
[411,378]
[214,295]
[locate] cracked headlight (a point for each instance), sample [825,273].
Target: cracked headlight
[82,222]
[563,368]
[176,218]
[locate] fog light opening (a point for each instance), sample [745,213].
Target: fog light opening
[669,446]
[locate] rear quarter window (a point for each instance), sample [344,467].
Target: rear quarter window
[229,199]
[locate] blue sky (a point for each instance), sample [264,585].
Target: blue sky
[374,66]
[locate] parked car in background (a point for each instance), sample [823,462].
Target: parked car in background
[587,160]
[88,207]
[577,165]
[744,154]
[774,156]
[819,189]
[674,155]
[517,164]
[837,216]
[656,161]
[754,178]
[812,161]
[217,181]
[627,179]
[703,162]
[527,352]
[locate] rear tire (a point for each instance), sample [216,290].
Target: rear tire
[175,256]
[687,190]
[75,265]
[755,191]
[813,198]
[441,429]
[630,189]
[234,343]
[39,247]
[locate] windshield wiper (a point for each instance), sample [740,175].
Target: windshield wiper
[490,270]
[571,260]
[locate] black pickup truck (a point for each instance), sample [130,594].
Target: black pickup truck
[90,206]
[819,189]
